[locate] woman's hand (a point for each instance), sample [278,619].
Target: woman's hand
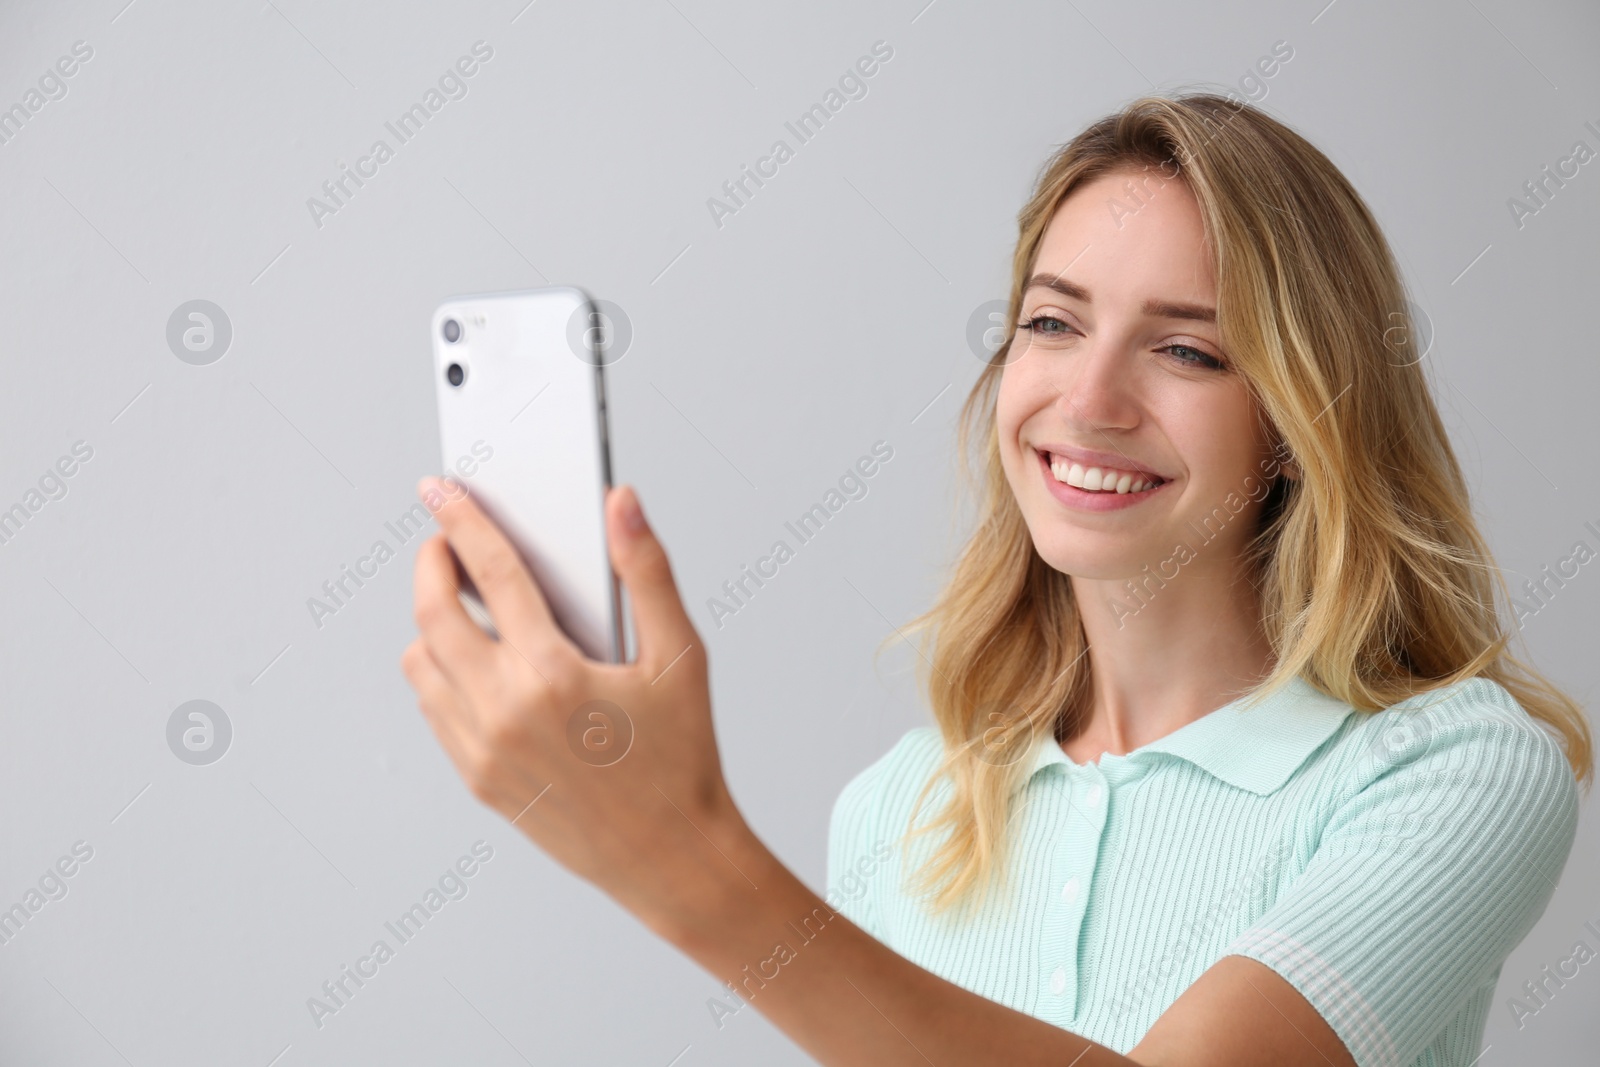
[612,769]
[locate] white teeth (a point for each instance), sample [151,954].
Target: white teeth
[1099,479]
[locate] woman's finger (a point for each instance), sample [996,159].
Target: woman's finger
[660,621]
[445,707]
[459,647]
[513,598]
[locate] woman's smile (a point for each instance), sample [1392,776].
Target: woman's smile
[1087,487]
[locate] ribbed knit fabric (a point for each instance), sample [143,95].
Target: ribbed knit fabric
[1385,864]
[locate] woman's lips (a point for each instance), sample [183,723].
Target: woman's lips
[1091,500]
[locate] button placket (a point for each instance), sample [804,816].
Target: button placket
[1072,873]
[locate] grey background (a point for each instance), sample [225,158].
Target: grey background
[768,354]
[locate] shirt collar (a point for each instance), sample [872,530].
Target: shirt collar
[1255,748]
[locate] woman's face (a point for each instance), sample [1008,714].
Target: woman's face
[1120,382]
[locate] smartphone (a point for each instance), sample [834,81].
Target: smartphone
[522,423]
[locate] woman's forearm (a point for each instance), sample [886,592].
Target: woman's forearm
[833,988]
[661,835]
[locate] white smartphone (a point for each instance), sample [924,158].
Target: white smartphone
[522,423]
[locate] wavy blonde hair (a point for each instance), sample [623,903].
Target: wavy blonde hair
[1375,582]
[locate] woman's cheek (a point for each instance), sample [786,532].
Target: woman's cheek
[1004,421]
[1013,400]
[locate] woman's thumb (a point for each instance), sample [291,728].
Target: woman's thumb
[660,623]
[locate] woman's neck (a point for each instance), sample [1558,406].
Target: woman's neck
[1191,647]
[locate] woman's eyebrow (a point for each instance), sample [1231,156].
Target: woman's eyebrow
[1161,309]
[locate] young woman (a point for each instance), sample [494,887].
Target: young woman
[1231,764]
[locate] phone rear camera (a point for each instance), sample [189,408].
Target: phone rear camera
[456,373]
[452,332]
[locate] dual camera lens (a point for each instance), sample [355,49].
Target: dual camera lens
[455,373]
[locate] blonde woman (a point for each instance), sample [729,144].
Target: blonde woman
[1230,761]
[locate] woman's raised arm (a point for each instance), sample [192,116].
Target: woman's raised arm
[534,728]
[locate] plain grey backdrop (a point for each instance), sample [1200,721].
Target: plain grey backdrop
[771,347]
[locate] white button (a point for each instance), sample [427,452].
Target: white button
[1058,981]
[1069,892]
[1092,797]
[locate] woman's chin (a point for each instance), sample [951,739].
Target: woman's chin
[1081,557]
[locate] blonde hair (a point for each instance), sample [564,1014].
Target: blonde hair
[1375,582]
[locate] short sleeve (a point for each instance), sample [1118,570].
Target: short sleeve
[1429,871]
[857,848]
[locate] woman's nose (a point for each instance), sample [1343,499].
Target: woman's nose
[1098,390]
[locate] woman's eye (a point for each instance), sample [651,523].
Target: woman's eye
[1195,357]
[1046,326]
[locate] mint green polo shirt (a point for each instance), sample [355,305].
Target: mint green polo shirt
[1384,863]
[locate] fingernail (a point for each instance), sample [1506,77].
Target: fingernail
[632,514]
[427,485]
